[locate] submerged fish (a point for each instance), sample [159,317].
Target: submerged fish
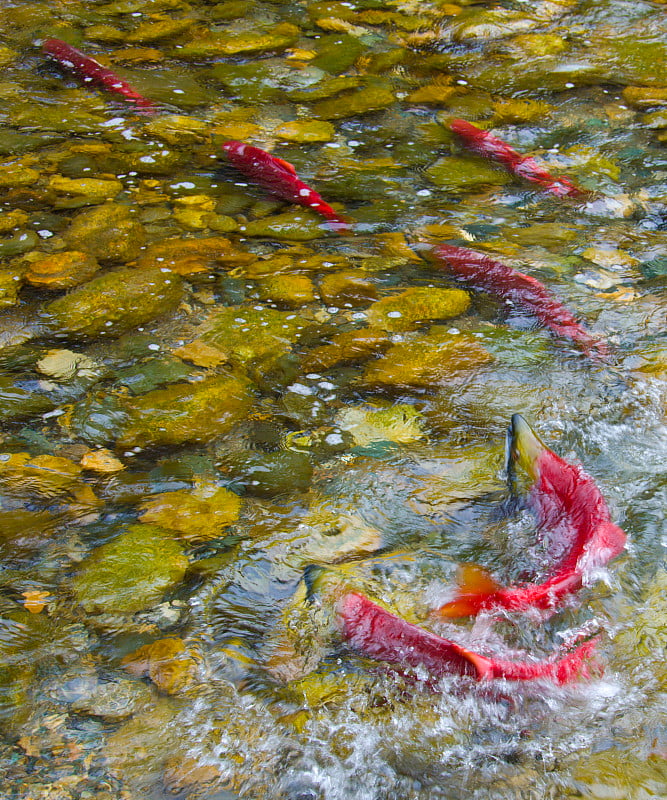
[483,143]
[501,280]
[374,632]
[91,71]
[569,506]
[279,177]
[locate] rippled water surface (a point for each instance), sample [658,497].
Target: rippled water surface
[205,389]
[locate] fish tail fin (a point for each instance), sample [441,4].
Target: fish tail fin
[476,590]
[523,451]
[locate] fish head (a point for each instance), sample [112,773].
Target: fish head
[233,148]
[524,451]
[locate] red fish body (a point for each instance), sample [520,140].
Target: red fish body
[91,71]
[483,143]
[279,178]
[492,276]
[569,506]
[375,633]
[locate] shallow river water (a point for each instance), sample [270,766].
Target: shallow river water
[204,390]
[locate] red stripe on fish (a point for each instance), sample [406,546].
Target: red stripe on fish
[374,632]
[483,143]
[279,178]
[483,272]
[91,71]
[567,504]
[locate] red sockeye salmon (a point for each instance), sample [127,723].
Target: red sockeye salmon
[374,632]
[482,272]
[90,71]
[569,506]
[279,178]
[483,143]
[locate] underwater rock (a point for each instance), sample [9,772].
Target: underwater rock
[102,461]
[131,572]
[108,232]
[426,362]
[461,174]
[183,412]
[299,226]
[287,290]
[76,192]
[167,662]
[20,399]
[44,478]
[192,256]
[201,514]
[112,700]
[156,31]
[405,311]
[10,283]
[201,354]
[347,288]
[66,365]
[306,131]
[400,423]
[351,104]
[114,303]
[175,129]
[267,474]
[250,334]
[223,43]
[61,270]
[345,348]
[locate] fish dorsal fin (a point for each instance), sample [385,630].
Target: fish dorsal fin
[475,586]
[473,579]
[285,164]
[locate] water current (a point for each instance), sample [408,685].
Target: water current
[206,390]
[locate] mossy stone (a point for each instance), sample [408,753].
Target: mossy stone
[268,474]
[461,174]
[249,334]
[61,270]
[306,131]
[350,104]
[184,412]
[19,400]
[405,311]
[287,290]
[131,572]
[10,283]
[114,303]
[109,233]
[338,52]
[224,43]
[427,362]
[299,226]
[197,515]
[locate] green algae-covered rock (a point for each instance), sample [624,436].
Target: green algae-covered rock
[155,31]
[224,43]
[176,129]
[300,226]
[405,311]
[114,303]
[400,423]
[287,290]
[10,283]
[461,174]
[427,361]
[76,192]
[349,104]
[20,399]
[347,288]
[249,334]
[337,52]
[198,515]
[306,131]
[322,89]
[619,775]
[483,409]
[131,572]
[191,256]
[346,347]
[184,412]
[268,474]
[61,270]
[109,232]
